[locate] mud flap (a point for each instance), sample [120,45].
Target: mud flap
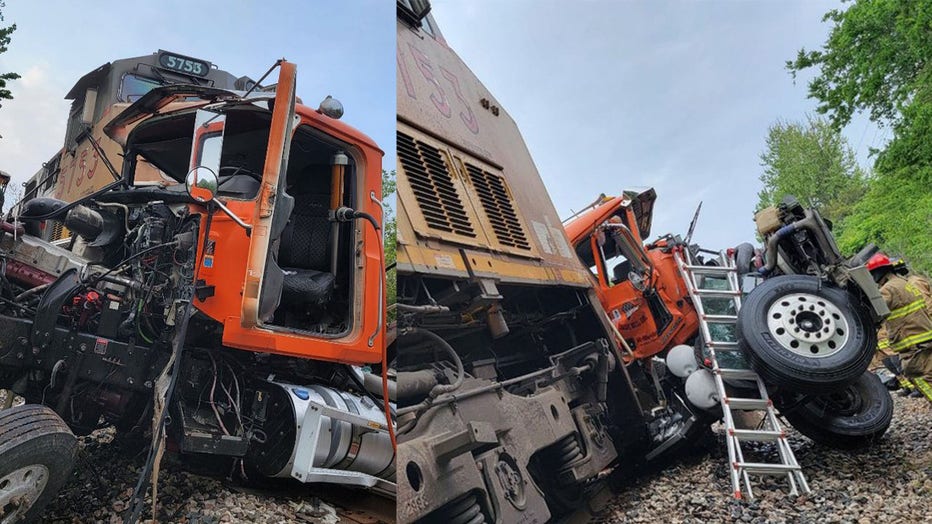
[60,291]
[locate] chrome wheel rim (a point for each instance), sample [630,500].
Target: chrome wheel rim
[808,325]
[20,489]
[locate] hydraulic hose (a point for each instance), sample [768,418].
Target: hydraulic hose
[439,389]
[345,214]
[806,223]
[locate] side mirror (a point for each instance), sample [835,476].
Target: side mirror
[201,184]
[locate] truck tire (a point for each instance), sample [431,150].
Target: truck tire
[804,335]
[857,416]
[37,453]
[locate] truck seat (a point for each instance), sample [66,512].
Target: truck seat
[304,252]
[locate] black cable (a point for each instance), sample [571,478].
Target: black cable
[130,259]
[345,214]
[138,498]
[370,218]
[103,156]
[77,202]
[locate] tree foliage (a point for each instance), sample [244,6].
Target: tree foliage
[5,32]
[814,163]
[878,59]
[389,230]
[895,214]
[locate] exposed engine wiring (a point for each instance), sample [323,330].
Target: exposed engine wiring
[439,389]
[213,404]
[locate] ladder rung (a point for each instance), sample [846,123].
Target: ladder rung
[747,404]
[718,319]
[755,435]
[766,469]
[711,270]
[722,345]
[717,293]
[741,374]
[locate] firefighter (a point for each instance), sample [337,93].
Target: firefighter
[909,325]
[921,282]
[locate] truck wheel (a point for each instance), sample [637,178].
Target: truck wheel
[37,452]
[804,335]
[854,417]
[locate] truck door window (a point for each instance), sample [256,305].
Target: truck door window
[613,258]
[618,267]
[585,253]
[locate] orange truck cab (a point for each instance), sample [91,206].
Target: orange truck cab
[640,288]
[275,251]
[235,308]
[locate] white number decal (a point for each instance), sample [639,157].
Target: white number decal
[186,66]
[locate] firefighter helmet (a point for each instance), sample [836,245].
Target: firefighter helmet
[879,261]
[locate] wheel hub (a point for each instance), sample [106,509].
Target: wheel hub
[843,403]
[20,489]
[807,325]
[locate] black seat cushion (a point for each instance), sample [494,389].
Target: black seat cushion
[306,238]
[307,286]
[304,250]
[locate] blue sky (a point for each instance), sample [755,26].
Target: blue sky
[677,95]
[342,48]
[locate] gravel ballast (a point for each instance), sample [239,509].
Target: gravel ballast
[105,475]
[888,482]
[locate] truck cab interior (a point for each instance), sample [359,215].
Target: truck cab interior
[308,276]
[313,253]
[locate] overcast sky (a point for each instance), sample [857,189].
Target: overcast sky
[678,95]
[343,49]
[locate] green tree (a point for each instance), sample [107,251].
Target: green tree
[814,163]
[877,59]
[895,214]
[5,33]
[389,231]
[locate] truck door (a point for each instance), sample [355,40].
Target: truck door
[267,216]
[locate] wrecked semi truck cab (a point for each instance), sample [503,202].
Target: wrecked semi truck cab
[807,326]
[514,398]
[236,303]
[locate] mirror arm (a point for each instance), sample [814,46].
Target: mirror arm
[233,216]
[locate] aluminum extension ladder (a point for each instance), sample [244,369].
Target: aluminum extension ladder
[696,276]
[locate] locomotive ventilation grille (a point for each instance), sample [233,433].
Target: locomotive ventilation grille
[433,187]
[499,209]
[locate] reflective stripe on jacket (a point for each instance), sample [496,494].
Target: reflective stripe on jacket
[909,323]
[925,289]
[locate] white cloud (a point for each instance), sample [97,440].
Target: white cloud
[32,124]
